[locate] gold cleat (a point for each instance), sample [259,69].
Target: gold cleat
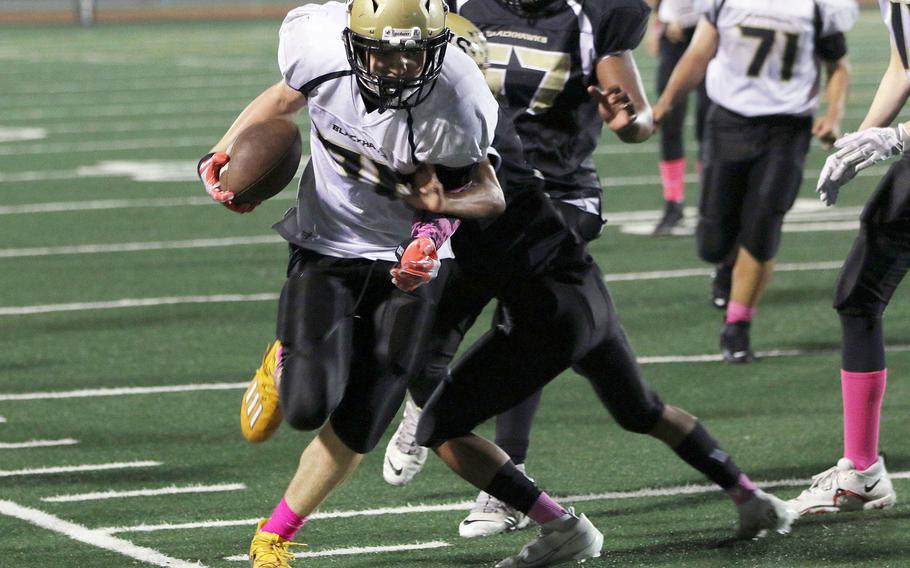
[260,413]
[269,550]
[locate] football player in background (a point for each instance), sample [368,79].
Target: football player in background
[761,62]
[872,271]
[670,32]
[376,80]
[543,56]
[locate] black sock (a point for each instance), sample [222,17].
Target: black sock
[864,344]
[701,451]
[511,486]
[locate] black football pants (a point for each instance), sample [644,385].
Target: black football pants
[352,341]
[559,320]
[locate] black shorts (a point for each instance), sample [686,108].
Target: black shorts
[753,170]
[880,256]
[352,341]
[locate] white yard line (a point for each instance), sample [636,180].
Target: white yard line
[355,550]
[122,391]
[2,420]
[77,468]
[136,303]
[140,246]
[466,505]
[43,148]
[37,444]
[689,272]
[91,537]
[170,490]
[106,204]
[225,298]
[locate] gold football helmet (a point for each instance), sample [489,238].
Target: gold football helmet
[396,48]
[468,38]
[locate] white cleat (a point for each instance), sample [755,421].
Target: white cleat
[491,516]
[563,540]
[762,513]
[843,488]
[403,457]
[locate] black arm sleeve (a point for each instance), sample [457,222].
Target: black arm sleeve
[621,28]
[832,47]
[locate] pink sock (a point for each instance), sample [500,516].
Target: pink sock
[284,522]
[862,394]
[743,490]
[545,509]
[740,312]
[673,175]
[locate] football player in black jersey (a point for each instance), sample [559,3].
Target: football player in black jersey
[544,57]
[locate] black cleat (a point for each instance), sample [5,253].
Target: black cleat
[673,216]
[734,343]
[721,281]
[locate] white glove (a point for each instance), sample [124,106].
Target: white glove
[856,152]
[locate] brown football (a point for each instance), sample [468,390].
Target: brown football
[264,159]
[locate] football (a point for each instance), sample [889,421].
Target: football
[264,159]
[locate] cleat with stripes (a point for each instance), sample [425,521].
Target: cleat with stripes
[260,413]
[269,550]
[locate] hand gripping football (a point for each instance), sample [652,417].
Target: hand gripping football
[264,159]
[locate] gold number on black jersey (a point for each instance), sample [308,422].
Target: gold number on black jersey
[556,68]
[766,39]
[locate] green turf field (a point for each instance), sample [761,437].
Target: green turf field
[117,273]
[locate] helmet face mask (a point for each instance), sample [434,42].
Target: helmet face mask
[396,49]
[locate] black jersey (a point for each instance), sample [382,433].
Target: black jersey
[530,237]
[540,69]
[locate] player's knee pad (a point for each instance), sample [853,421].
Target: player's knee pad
[764,243]
[306,416]
[714,244]
[357,441]
[305,402]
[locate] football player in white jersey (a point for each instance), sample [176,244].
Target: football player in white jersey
[671,28]
[762,60]
[875,266]
[396,123]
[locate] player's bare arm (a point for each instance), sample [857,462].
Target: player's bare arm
[622,103]
[891,95]
[279,100]
[690,71]
[480,198]
[827,127]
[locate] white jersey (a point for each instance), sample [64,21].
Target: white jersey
[348,203]
[683,12]
[766,60]
[897,18]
